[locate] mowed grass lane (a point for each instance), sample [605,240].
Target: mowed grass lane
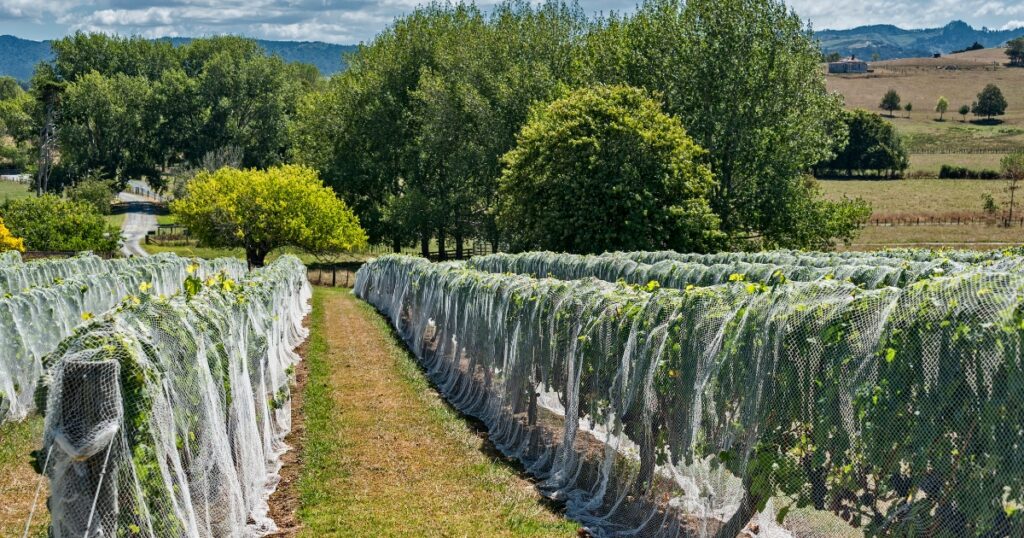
[385,456]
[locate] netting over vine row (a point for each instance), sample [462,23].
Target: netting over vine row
[684,411]
[34,320]
[9,257]
[166,416]
[677,274]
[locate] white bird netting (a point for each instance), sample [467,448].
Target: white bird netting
[683,411]
[42,302]
[166,416]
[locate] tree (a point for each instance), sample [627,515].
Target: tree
[9,88]
[833,57]
[1013,170]
[106,126]
[605,169]
[1015,51]
[941,106]
[909,108]
[261,210]
[8,241]
[52,223]
[717,66]
[383,133]
[964,111]
[95,191]
[890,102]
[874,146]
[990,102]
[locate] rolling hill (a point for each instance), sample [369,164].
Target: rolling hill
[19,56]
[891,42]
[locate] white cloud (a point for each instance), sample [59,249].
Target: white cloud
[349,21]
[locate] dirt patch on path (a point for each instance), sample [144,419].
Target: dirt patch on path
[284,502]
[385,456]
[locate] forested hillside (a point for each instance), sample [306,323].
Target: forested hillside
[891,42]
[19,56]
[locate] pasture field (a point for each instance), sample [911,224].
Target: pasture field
[916,197]
[926,198]
[12,190]
[958,78]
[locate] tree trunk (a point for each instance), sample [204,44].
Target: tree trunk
[255,257]
[396,245]
[442,255]
[425,245]
[460,242]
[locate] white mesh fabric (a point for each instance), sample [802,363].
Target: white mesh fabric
[166,416]
[34,319]
[681,412]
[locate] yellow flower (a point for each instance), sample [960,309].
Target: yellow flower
[192,267]
[145,286]
[86,316]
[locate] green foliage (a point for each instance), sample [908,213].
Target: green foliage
[874,147]
[52,223]
[292,205]
[964,111]
[941,106]
[107,124]
[990,102]
[1015,51]
[890,102]
[9,88]
[605,169]
[95,191]
[959,172]
[411,134]
[744,77]
[131,106]
[1012,165]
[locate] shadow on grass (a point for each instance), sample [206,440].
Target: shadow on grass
[473,423]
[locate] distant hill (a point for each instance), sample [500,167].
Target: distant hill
[891,42]
[19,56]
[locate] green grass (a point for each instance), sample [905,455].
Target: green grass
[11,190]
[401,462]
[931,163]
[18,481]
[116,219]
[212,252]
[164,220]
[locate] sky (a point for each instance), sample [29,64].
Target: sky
[352,21]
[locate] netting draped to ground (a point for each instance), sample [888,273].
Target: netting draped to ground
[42,302]
[682,411]
[166,416]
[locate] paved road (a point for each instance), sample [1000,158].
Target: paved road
[139,219]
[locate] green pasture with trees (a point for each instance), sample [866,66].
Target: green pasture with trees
[418,133]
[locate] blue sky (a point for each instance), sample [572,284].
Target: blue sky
[351,21]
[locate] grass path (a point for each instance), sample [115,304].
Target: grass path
[384,455]
[17,479]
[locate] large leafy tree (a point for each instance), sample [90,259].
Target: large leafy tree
[605,169]
[261,210]
[990,102]
[874,147]
[411,134]
[744,78]
[108,125]
[1015,51]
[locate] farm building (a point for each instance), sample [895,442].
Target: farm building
[848,65]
